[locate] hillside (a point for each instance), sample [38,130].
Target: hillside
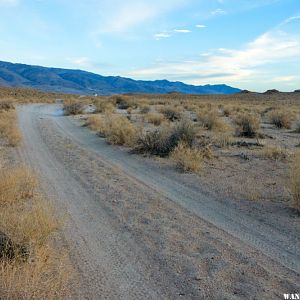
[82,82]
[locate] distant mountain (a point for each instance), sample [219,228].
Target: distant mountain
[82,82]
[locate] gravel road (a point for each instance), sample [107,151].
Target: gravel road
[137,229]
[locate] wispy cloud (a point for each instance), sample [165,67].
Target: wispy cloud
[200,26]
[182,30]
[162,35]
[218,12]
[256,59]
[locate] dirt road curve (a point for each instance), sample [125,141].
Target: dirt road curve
[138,230]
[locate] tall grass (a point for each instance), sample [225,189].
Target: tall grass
[39,271]
[187,159]
[9,131]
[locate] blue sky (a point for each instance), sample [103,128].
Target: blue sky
[251,44]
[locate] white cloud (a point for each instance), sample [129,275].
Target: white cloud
[162,35]
[260,60]
[201,26]
[182,30]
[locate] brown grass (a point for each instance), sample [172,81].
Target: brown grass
[187,159]
[211,121]
[155,118]
[46,277]
[9,131]
[117,129]
[281,118]
[295,182]
[6,105]
[248,125]
[30,222]
[171,113]
[16,184]
[274,152]
[73,108]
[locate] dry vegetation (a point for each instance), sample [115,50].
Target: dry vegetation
[9,131]
[240,137]
[31,266]
[197,133]
[295,182]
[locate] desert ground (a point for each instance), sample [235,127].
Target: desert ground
[157,196]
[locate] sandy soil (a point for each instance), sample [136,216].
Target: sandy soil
[136,229]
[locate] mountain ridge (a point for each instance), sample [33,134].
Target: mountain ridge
[77,81]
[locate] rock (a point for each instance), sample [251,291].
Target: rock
[10,250]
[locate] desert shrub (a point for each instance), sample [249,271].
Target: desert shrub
[155,118]
[122,103]
[104,106]
[187,159]
[73,108]
[163,141]
[295,182]
[248,125]
[211,121]
[281,118]
[118,130]
[226,111]
[274,152]
[95,122]
[145,109]
[172,114]
[6,105]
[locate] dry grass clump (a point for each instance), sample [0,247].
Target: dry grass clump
[16,184]
[145,109]
[274,152]
[281,118]
[94,122]
[9,130]
[170,113]
[211,121]
[295,182]
[73,108]
[117,129]
[187,159]
[104,106]
[45,278]
[162,141]
[6,105]
[223,140]
[30,266]
[155,118]
[124,102]
[248,125]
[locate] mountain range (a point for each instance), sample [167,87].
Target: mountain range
[87,83]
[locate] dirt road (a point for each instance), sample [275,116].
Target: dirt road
[137,229]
